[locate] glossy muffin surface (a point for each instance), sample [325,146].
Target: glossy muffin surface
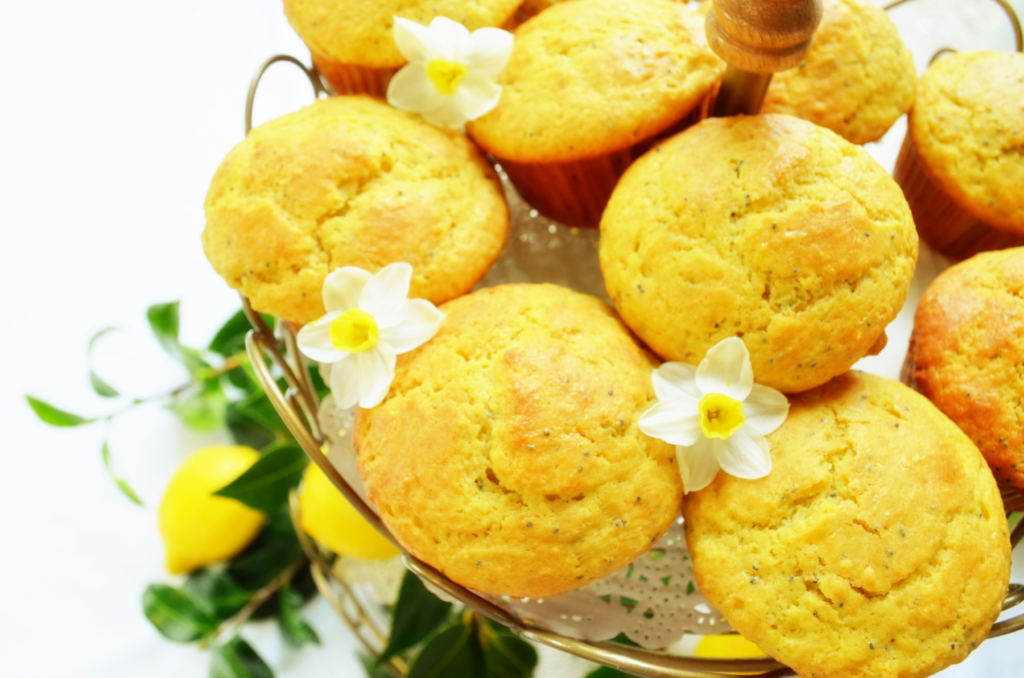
[768,228]
[876,548]
[350,181]
[507,453]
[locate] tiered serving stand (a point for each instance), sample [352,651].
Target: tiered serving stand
[756,38]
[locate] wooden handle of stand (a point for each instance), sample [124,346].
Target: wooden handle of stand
[762,36]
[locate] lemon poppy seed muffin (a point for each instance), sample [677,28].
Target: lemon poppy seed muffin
[507,453]
[768,228]
[588,80]
[876,548]
[967,350]
[857,78]
[352,41]
[350,181]
[960,165]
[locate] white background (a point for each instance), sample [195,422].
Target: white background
[113,117]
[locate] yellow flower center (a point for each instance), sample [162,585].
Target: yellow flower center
[354,331]
[720,415]
[446,75]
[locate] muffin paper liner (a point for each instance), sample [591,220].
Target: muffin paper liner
[940,221]
[352,79]
[575,193]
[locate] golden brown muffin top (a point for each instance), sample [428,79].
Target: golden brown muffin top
[350,181]
[877,546]
[968,353]
[768,228]
[857,78]
[360,32]
[968,127]
[590,77]
[507,453]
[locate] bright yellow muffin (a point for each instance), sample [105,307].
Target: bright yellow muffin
[350,181]
[967,350]
[768,228]
[590,77]
[960,165]
[352,41]
[507,453]
[587,82]
[876,548]
[857,78]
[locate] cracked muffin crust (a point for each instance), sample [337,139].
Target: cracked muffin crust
[350,181]
[877,547]
[968,354]
[769,228]
[507,453]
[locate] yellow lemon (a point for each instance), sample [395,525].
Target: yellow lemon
[332,521]
[197,527]
[728,647]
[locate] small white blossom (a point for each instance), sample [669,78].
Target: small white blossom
[369,321]
[715,415]
[450,75]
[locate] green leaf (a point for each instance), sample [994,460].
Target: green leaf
[273,551]
[244,430]
[121,483]
[606,672]
[418,613]
[265,485]
[165,323]
[203,409]
[237,659]
[176,615]
[257,406]
[294,628]
[508,656]
[319,387]
[371,668]
[230,338]
[53,416]
[101,387]
[217,593]
[453,652]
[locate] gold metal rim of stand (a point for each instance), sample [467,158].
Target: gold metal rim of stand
[297,405]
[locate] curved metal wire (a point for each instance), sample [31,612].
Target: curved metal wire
[1018,34]
[297,405]
[311,73]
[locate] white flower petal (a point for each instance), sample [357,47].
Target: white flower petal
[488,50]
[675,381]
[385,293]
[376,369]
[345,381]
[411,90]
[448,115]
[765,409]
[672,421]
[420,321]
[342,288]
[698,464]
[449,37]
[415,42]
[726,369]
[314,340]
[744,454]
[476,95]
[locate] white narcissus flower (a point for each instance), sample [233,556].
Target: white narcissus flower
[450,75]
[369,321]
[715,415]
